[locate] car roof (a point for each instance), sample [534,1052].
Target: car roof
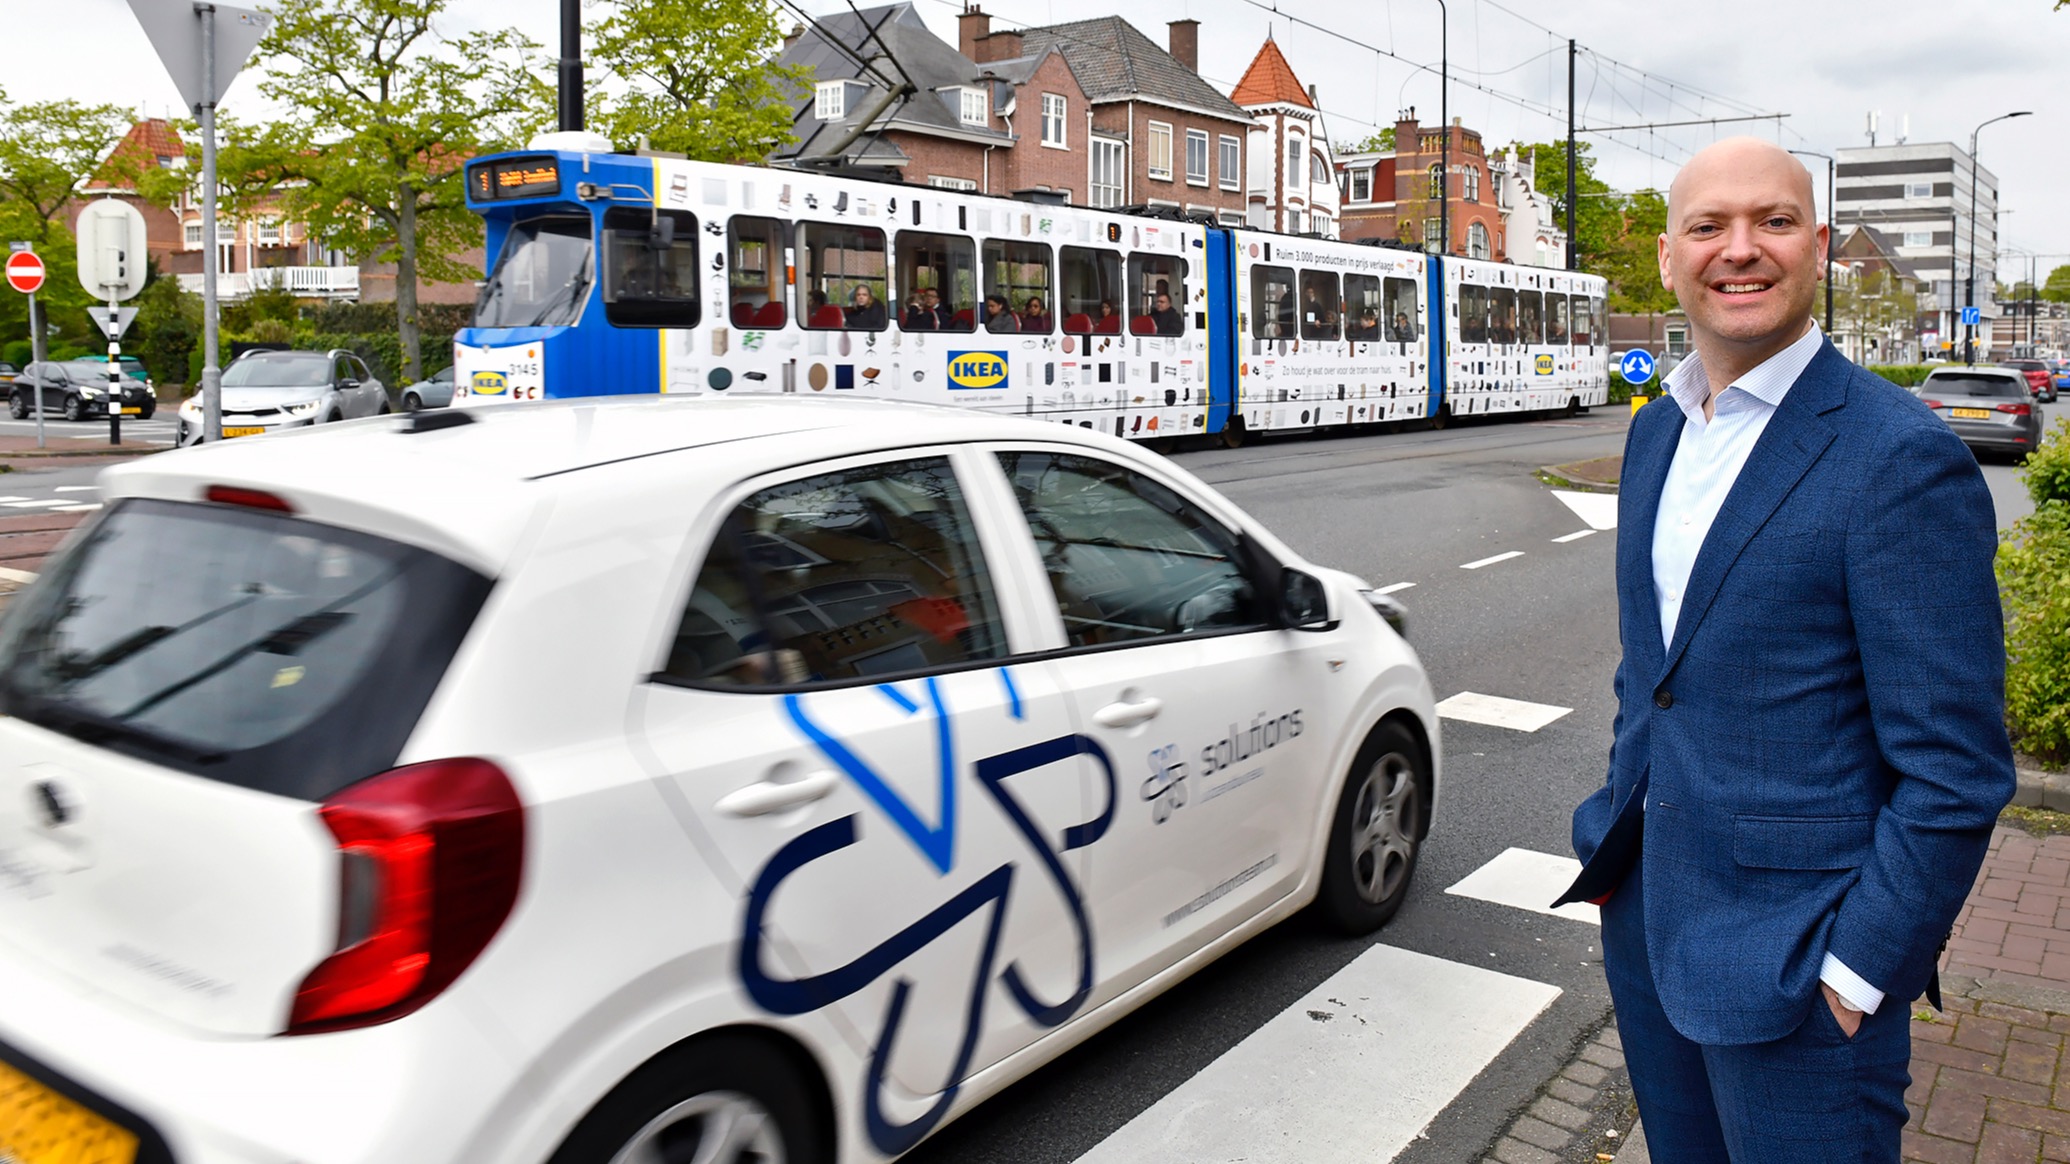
[468,489]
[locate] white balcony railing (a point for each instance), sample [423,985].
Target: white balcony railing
[308,282]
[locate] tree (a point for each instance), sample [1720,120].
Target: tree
[48,149]
[1599,210]
[1380,143]
[1632,260]
[699,78]
[379,115]
[2056,288]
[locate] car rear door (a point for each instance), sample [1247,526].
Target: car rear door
[844,731]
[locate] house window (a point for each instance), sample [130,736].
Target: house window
[1318,169]
[1431,237]
[1294,223]
[193,236]
[1053,120]
[830,100]
[1231,161]
[1473,183]
[941,183]
[1361,185]
[269,234]
[1320,224]
[974,106]
[1915,190]
[1918,238]
[1437,181]
[1196,157]
[1476,239]
[1161,151]
[1109,161]
[1295,151]
[1677,341]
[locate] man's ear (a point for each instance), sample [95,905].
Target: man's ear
[1667,278]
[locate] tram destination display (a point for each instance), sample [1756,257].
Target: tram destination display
[514,178]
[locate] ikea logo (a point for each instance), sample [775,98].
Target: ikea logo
[488,384]
[1545,365]
[977,370]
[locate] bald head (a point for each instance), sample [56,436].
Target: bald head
[1734,166]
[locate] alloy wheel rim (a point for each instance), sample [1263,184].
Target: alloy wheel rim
[717,1127]
[1383,828]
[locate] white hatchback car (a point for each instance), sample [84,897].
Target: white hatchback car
[731,780]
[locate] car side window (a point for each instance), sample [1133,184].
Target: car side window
[1127,557]
[855,574]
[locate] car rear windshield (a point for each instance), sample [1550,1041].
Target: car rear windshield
[241,645]
[1974,384]
[298,371]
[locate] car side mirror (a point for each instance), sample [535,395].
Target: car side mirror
[347,385]
[1304,604]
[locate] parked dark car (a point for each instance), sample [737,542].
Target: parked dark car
[1989,408]
[78,389]
[8,372]
[2041,379]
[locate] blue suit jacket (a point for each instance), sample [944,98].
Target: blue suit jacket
[1823,744]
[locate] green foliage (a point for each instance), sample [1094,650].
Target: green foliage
[17,352]
[1904,375]
[699,78]
[2047,471]
[2034,584]
[167,327]
[1380,143]
[48,149]
[359,318]
[266,303]
[379,113]
[2056,288]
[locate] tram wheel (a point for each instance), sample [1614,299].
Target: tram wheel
[1442,418]
[1233,434]
[1573,406]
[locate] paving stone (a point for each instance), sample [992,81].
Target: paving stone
[1586,1074]
[1935,1150]
[1532,1130]
[1559,1113]
[1514,1151]
[1571,1092]
[1605,1057]
[2004,1144]
[1956,1115]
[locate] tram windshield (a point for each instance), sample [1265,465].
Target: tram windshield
[542,276]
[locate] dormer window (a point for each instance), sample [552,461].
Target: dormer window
[975,107]
[830,100]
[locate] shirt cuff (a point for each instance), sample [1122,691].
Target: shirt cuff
[1851,988]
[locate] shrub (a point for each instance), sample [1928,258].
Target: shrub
[2047,471]
[1904,375]
[2034,584]
[17,352]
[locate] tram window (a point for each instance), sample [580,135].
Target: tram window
[1272,302]
[1556,319]
[937,274]
[1473,314]
[1530,322]
[1601,332]
[1582,312]
[1091,291]
[650,268]
[1320,307]
[541,277]
[842,282]
[755,248]
[1156,294]
[1400,311]
[1502,315]
[1018,273]
[1362,307]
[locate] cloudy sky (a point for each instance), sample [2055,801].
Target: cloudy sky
[1943,67]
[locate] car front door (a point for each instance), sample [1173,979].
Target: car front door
[1208,711]
[895,800]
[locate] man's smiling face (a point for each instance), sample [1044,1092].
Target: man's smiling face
[1743,246]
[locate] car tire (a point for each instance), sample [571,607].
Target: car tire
[333,418]
[666,1108]
[1376,832]
[150,410]
[411,403]
[18,406]
[75,409]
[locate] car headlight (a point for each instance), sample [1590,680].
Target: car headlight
[89,393]
[191,407]
[307,408]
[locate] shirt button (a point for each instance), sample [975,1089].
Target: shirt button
[1663,699]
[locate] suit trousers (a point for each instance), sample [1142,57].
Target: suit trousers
[1813,1096]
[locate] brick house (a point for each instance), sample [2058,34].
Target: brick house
[1412,215]
[1160,135]
[1292,182]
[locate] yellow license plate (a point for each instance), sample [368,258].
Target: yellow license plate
[242,430]
[132,410]
[1971,413]
[39,1126]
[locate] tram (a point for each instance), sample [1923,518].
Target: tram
[611,273]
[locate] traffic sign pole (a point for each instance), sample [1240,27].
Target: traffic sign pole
[211,370]
[25,274]
[114,382]
[36,353]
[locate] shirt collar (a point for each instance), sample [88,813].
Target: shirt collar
[1768,382]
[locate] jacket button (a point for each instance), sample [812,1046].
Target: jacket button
[1663,699]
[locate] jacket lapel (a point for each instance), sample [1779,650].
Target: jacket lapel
[1652,452]
[1796,436]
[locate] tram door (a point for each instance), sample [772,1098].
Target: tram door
[1221,328]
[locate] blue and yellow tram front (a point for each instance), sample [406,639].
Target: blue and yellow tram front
[546,211]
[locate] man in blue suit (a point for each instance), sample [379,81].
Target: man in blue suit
[1809,749]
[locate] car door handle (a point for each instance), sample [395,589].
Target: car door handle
[1121,715]
[770,796]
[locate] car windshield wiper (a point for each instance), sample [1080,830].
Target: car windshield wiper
[552,303]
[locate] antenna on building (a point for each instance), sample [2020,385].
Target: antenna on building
[1905,133]
[1872,129]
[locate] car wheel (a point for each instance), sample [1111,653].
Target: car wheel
[411,403]
[1377,832]
[75,408]
[18,407]
[148,412]
[727,1099]
[333,418]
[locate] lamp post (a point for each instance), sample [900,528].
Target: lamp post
[1445,116]
[1832,231]
[1969,286]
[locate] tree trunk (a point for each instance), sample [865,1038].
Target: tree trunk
[406,282]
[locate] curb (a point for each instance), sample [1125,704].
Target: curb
[1577,1115]
[1551,475]
[131,451]
[2039,789]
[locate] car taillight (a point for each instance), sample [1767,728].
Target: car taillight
[2020,409]
[430,859]
[1929,403]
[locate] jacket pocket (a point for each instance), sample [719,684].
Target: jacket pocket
[1802,842]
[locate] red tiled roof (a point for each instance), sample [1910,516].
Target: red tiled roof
[1270,81]
[140,148]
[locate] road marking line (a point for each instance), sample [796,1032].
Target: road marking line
[1576,536]
[1352,1072]
[78,507]
[22,576]
[1395,587]
[1599,510]
[1528,880]
[1495,711]
[78,489]
[44,504]
[1491,561]
[5,500]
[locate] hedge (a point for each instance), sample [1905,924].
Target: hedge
[382,350]
[2034,584]
[1904,375]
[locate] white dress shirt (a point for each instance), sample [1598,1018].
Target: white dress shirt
[1707,463]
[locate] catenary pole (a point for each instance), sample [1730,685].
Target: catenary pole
[571,65]
[1573,239]
[211,366]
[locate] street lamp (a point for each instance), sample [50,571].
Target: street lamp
[1832,229]
[1969,286]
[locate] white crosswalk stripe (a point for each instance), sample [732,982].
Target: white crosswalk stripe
[1529,880]
[1352,1072]
[1599,510]
[1495,711]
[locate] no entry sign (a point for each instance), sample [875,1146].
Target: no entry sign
[25,272]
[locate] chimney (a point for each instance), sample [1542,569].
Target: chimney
[1003,45]
[1313,99]
[790,38]
[1185,42]
[972,26]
